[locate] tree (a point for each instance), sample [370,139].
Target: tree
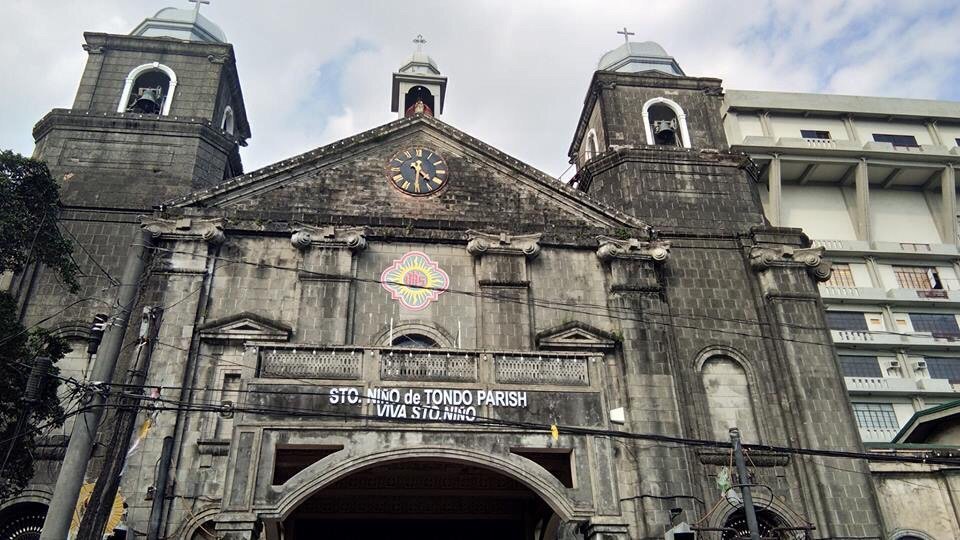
[29,209]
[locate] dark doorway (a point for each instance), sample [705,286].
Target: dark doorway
[422,500]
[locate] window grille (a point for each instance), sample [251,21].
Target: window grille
[841,276]
[846,320]
[860,366]
[875,416]
[941,325]
[917,277]
[903,141]
[944,368]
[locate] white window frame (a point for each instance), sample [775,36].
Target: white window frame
[139,70]
[681,119]
[593,146]
[228,115]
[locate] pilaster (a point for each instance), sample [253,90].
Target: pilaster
[503,279]
[327,280]
[862,179]
[775,192]
[948,206]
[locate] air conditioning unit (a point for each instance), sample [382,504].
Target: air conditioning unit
[894,364]
[921,364]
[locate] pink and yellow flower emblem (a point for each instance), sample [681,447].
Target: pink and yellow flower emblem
[415,280]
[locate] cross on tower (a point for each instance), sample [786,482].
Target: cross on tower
[626,35]
[196,10]
[419,40]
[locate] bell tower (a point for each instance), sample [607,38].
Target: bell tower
[158,114]
[418,86]
[650,143]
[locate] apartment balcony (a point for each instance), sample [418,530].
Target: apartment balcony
[852,295]
[896,385]
[923,296]
[904,250]
[846,148]
[878,435]
[865,339]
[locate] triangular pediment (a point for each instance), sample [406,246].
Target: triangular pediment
[245,326]
[351,178]
[576,335]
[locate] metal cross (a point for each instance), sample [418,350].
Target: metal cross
[419,40]
[626,35]
[196,10]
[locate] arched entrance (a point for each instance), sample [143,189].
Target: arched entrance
[426,500]
[22,521]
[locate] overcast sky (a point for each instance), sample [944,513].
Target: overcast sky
[316,71]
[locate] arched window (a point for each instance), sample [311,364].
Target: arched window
[665,123]
[592,146]
[728,398]
[148,89]
[418,100]
[414,341]
[227,123]
[770,524]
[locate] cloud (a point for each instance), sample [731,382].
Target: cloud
[313,72]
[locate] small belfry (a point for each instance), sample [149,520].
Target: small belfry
[418,86]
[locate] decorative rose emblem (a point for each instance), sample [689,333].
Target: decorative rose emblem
[414,280]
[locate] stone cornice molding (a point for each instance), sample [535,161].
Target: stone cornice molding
[763,258]
[208,230]
[657,251]
[479,243]
[306,236]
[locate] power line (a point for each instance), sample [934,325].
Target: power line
[83,248]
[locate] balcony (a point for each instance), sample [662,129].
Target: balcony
[845,148]
[896,385]
[904,250]
[878,435]
[842,295]
[855,338]
[374,364]
[924,296]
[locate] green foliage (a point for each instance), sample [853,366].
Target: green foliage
[29,206]
[18,348]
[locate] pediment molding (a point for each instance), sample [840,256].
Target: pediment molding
[576,335]
[246,326]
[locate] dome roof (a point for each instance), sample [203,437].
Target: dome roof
[634,57]
[420,62]
[185,24]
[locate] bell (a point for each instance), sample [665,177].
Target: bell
[147,103]
[665,131]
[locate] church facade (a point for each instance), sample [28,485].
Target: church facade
[410,332]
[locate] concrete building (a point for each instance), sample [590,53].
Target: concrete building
[410,333]
[872,180]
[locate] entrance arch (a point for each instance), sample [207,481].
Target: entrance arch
[426,493]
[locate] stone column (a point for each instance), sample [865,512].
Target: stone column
[948,205]
[775,192]
[812,390]
[864,228]
[238,526]
[327,272]
[504,283]
[601,530]
[636,298]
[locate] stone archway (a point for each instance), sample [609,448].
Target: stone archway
[424,499]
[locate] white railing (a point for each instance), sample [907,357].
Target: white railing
[878,434]
[833,290]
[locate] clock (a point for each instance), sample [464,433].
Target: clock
[418,171]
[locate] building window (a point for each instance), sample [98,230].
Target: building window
[898,141]
[414,341]
[917,277]
[665,123]
[944,368]
[592,146]
[841,276]
[957,140]
[941,325]
[814,134]
[227,124]
[860,366]
[875,416]
[846,320]
[148,89]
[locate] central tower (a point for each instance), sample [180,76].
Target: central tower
[418,86]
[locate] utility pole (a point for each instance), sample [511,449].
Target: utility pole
[94,520]
[160,489]
[748,508]
[56,526]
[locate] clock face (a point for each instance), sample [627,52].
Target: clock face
[418,171]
